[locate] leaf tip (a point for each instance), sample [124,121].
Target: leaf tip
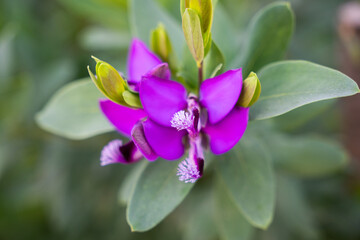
[96,59]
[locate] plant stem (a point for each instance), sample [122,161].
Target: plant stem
[201,73]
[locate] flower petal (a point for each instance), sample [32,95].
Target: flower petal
[225,134]
[165,141]
[162,98]
[140,60]
[116,152]
[220,94]
[123,118]
[161,71]
[138,136]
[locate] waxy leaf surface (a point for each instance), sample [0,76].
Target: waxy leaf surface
[73,112]
[248,176]
[306,156]
[267,39]
[229,220]
[157,193]
[288,85]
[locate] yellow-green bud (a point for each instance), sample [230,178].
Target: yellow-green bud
[160,43]
[251,90]
[192,31]
[204,9]
[132,99]
[108,81]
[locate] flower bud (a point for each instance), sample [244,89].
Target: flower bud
[250,92]
[204,9]
[193,35]
[132,99]
[160,43]
[112,85]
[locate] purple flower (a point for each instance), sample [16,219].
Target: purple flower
[172,119]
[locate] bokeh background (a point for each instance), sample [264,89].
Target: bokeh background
[54,188]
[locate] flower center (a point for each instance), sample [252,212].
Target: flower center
[182,120]
[188,171]
[191,168]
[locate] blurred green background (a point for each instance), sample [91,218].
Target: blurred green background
[54,188]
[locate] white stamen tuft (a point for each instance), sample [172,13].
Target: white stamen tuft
[111,153]
[182,120]
[188,171]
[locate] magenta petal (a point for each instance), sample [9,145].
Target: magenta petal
[161,71]
[140,60]
[165,141]
[225,134]
[123,118]
[116,152]
[138,136]
[162,98]
[219,94]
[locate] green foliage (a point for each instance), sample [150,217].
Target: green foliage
[157,193]
[306,156]
[129,183]
[267,38]
[73,112]
[229,220]
[290,84]
[248,175]
[214,62]
[55,189]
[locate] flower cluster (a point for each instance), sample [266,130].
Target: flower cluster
[170,120]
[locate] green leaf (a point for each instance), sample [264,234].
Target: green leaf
[306,156]
[227,37]
[157,193]
[288,85]
[248,176]
[229,220]
[198,219]
[213,62]
[129,183]
[193,35]
[267,39]
[73,112]
[293,209]
[145,16]
[297,119]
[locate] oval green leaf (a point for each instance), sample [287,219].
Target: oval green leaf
[157,193]
[288,85]
[229,220]
[247,173]
[267,39]
[128,185]
[306,156]
[73,112]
